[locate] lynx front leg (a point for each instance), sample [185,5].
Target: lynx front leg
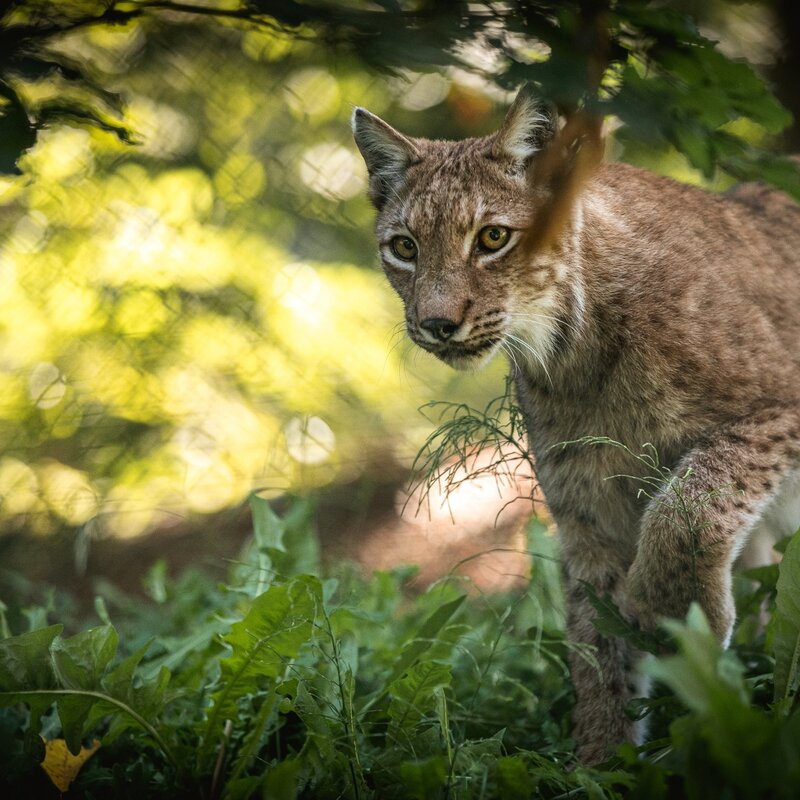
[602,667]
[693,530]
[604,679]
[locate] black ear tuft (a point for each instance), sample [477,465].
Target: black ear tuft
[387,153]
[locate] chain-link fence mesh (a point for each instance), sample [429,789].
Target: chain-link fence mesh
[198,315]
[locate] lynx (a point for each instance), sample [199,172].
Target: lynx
[661,314]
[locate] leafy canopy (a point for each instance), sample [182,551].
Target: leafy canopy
[643,62]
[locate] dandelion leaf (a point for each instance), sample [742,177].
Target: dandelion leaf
[279,623]
[413,695]
[80,662]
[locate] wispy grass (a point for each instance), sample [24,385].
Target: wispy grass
[470,443]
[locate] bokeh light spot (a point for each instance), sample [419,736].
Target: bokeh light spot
[68,493]
[239,179]
[332,171]
[298,288]
[310,440]
[19,488]
[62,153]
[30,233]
[418,92]
[313,92]
[46,385]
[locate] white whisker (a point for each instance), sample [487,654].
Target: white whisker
[507,349]
[532,316]
[522,343]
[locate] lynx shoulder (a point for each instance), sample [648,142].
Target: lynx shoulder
[660,315]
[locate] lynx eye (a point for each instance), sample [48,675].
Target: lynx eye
[404,248]
[493,237]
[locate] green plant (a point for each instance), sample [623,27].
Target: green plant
[335,686]
[297,685]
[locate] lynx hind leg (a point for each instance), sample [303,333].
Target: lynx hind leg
[692,532]
[603,672]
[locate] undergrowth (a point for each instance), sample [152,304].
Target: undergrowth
[288,681]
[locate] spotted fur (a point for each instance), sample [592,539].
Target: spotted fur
[662,314]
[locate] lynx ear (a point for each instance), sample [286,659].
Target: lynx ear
[528,127]
[388,153]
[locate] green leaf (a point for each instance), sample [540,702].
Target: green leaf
[119,681]
[326,758]
[427,632]
[178,649]
[513,779]
[322,729]
[80,662]
[254,738]
[785,628]
[242,788]
[426,778]
[5,632]
[476,760]
[693,141]
[725,741]
[25,661]
[288,543]
[155,581]
[268,527]
[73,711]
[766,575]
[144,695]
[704,677]
[413,697]
[279,623]
[281,781]
[300,540]
[26,664]
[36,616]
[610,622]
[149,697]
[724,729]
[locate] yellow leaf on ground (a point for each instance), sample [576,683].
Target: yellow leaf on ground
[61,766]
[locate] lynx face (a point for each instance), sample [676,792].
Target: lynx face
[451,219]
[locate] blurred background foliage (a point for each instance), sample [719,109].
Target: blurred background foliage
[189,303]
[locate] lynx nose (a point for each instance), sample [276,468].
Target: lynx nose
[441,329]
